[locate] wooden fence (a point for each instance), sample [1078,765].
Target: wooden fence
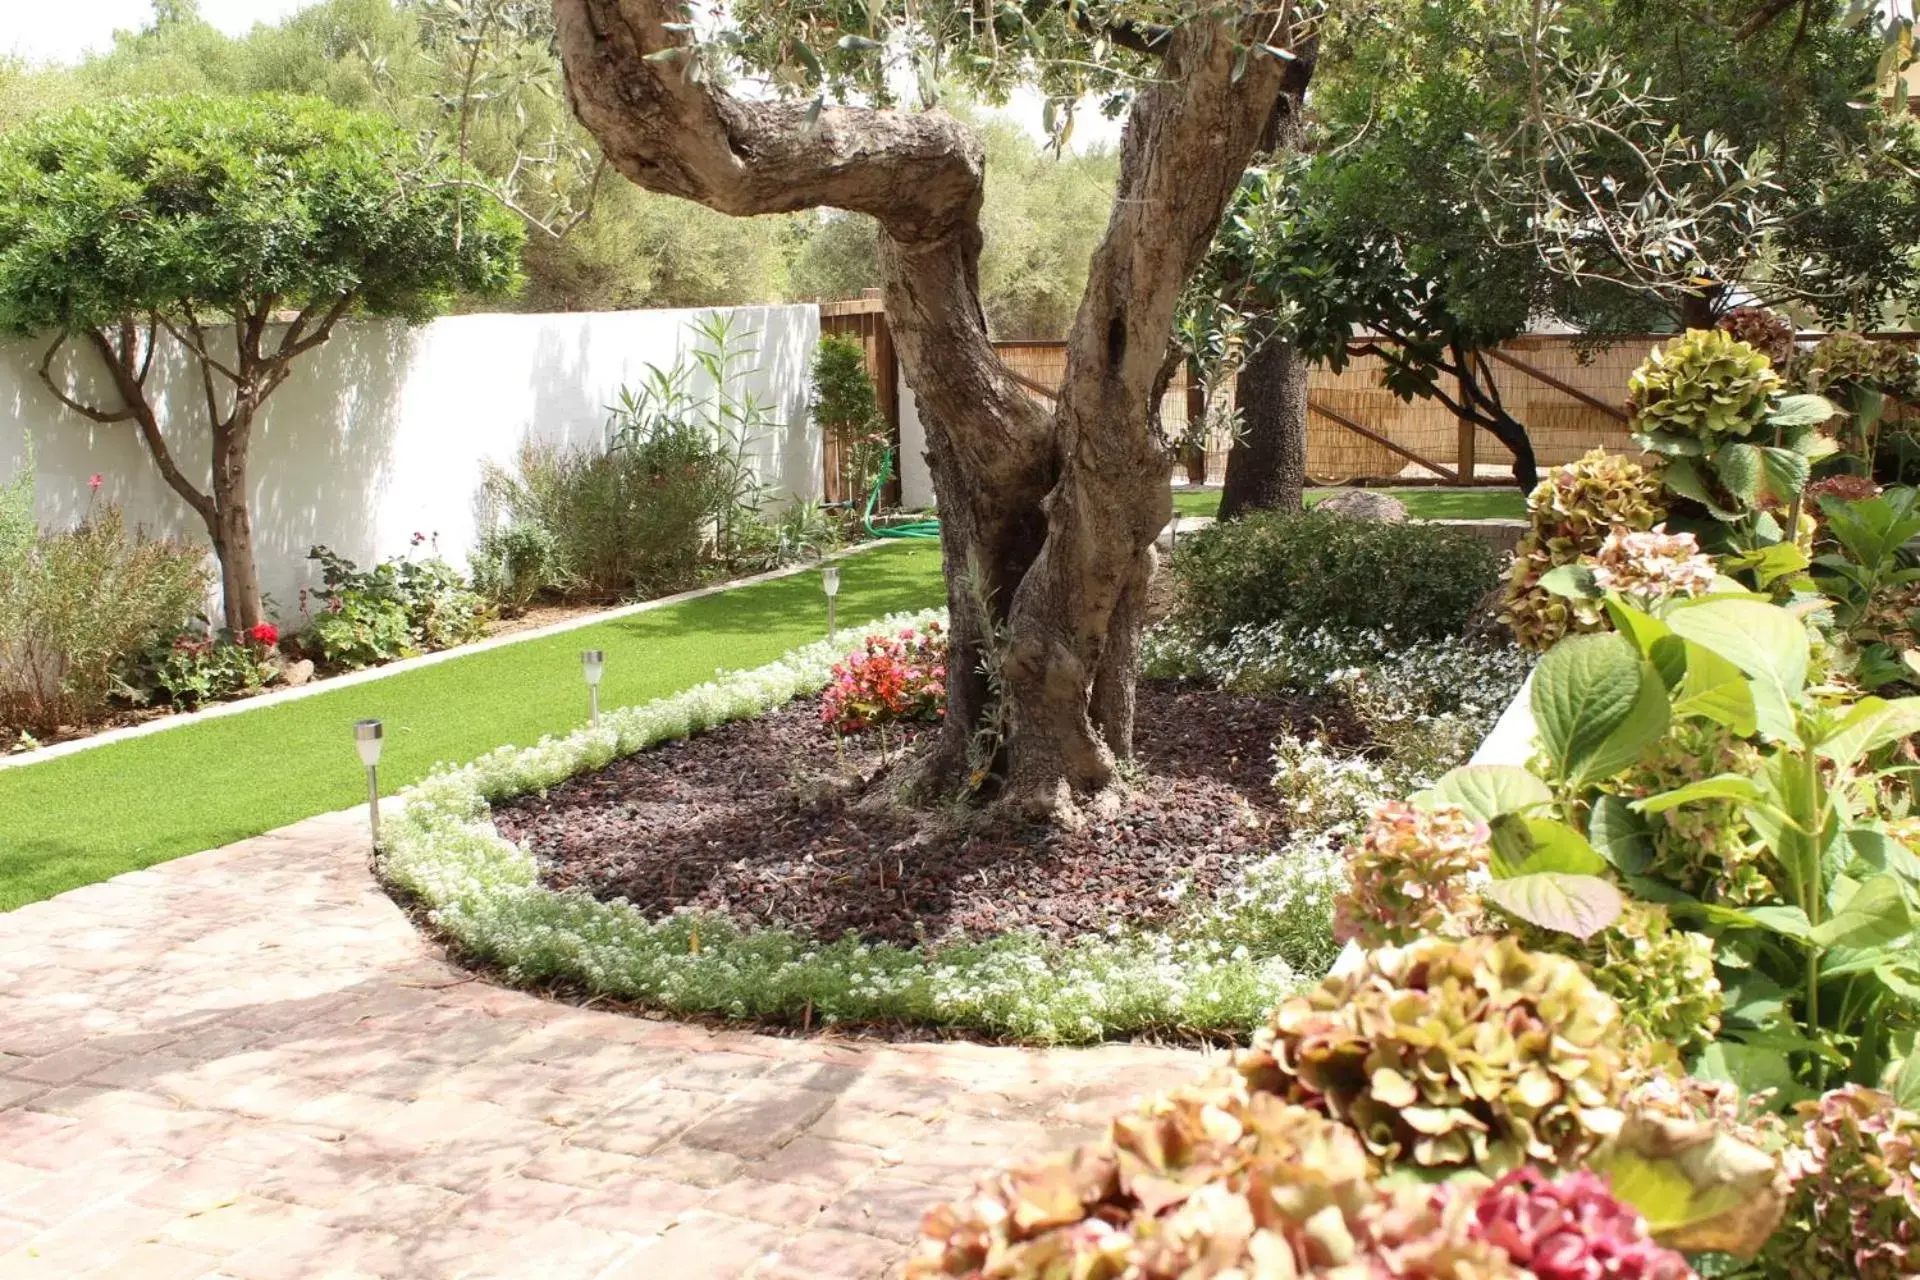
[1567,391]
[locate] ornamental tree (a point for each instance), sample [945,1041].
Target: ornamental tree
[1048,514]
[244,230]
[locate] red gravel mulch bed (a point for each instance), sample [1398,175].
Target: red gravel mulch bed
[768,823]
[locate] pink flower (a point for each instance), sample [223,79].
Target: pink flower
[1571,1228]
[94,482]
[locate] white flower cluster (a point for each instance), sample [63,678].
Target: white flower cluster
[485,892]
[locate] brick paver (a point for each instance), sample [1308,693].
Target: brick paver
[246,1064]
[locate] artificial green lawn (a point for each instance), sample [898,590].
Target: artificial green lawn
[1422,503]
[85,817]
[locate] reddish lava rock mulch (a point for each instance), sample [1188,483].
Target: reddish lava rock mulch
[767,822]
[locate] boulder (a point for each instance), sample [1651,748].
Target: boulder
[1365,504]
[297,673]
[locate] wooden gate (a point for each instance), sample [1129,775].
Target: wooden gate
[866,319]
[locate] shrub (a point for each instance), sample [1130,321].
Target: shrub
[197,669]
[1704,848]
[631,523]
[845,408]
[512,564]
[1307,570]
[396,609]
[1387,1045]
[76,606]
[1570,514]
[1842,364]
[889,679]
[1856,1204]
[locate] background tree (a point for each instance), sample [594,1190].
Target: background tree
[1610,165]
[244,230]
[1048,518]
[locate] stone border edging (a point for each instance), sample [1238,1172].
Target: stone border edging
[370,674]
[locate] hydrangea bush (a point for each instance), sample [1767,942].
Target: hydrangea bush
[1856,1205]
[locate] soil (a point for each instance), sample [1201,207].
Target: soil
[770,824]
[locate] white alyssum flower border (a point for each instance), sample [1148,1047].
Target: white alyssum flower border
[484,892]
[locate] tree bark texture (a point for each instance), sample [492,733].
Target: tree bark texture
[1048,516]
[1267,467]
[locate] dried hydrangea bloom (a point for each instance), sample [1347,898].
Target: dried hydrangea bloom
[1652,564]
[1570,513]
[1856,1205]
[1445,1055]
[1661,975]
[1844,487]
[1571,1228]
[1704,848]
[1208,1180]
[1414,872]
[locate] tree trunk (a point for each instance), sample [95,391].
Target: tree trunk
[232,527]
[1267,467]
[1047,518]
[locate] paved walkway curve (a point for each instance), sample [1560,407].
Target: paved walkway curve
[246,1065]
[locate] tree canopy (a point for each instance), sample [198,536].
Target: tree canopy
[244,229]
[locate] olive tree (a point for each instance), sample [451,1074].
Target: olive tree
[244,230]
[1048,514]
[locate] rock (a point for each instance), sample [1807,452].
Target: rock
[1365,504]
[297,673]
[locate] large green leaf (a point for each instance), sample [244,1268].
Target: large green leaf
[1618,835]
[1873,723]
[1789,922]
[1881,852]
[1486,791]
[1906,1083]
[1722,786]
[1875,913]
[1739,469]
[1641,628]
[1783,473]
[1763,640]
[1527,846]
[1801,411]
[1714,689]
[1751,1067]
[1583,690]
[1575,904]
[1573,580]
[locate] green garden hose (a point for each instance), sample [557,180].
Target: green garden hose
[923,529]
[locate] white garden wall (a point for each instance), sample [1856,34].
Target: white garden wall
[382,433]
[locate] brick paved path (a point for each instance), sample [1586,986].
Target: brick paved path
[246,1064]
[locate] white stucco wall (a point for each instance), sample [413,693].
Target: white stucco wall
[382,433]
[916,478]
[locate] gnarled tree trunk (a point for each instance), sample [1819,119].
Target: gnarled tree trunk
[1048,518]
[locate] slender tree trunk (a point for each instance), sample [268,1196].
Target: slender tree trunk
[232,526]
[1048,518]
[1267,467]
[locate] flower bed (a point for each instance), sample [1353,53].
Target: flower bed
[1216,967]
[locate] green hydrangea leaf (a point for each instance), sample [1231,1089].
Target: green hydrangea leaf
[1597,704]
[1486,791]
[1577,904]
[1738,467]
[1527,846]
[1618,835]
[1801,411]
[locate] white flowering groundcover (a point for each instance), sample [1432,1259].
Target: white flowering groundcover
[1218,969]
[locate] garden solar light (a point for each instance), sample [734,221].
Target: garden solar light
[830,583]
[592,663]
[366,740]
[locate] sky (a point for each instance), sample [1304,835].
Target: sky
[64,30]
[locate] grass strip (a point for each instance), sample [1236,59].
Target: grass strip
[86,817]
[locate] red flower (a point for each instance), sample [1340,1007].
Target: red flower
[264,634]
[94,482]
[1571,1229]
